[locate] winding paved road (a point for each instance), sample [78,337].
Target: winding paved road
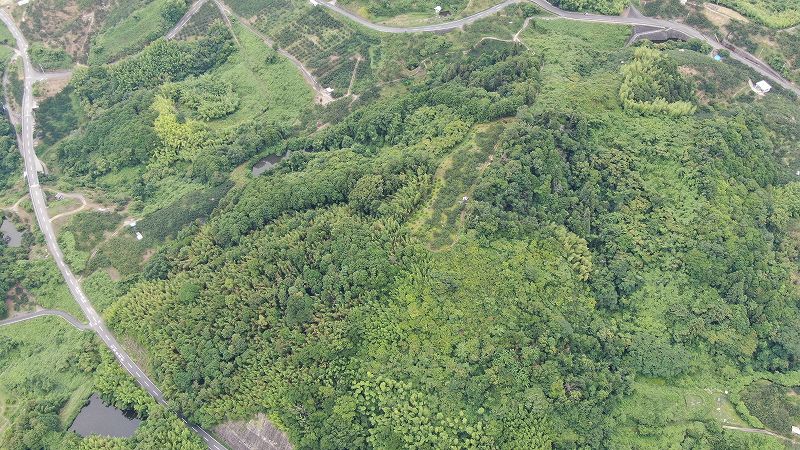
[26,147]
[43,313]
[738,54]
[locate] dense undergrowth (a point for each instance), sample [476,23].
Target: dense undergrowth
[557,243]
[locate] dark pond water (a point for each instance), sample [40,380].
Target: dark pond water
[99,418]
[264,164]
[10,234]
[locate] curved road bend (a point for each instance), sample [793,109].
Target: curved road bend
[46,312]
[26,147]
[738,54]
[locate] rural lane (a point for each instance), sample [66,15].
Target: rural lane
[26,147]
[43,313]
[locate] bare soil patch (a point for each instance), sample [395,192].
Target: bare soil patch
[64,24]
[256,434]
[52,87]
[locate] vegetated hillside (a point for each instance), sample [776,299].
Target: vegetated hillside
[556,243]
[774,14]
[62,31]
[104,29]
[776,44]
[514,252]
[133,25]
[64,25]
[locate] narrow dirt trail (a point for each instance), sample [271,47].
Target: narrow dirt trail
[323,97]
[758,431]
[78,197]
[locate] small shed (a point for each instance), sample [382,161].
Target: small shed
[763,87]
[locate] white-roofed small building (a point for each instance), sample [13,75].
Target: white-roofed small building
[763,87]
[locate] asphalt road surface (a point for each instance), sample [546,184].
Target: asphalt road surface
[26,147]
[738,54]
[46,312]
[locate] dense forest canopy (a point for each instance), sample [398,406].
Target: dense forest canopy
[596,248]
[553,241]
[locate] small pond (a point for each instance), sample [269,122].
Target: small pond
[101,419]
[11,236]
[267,163]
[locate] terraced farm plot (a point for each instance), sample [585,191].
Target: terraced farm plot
[329,48]
[198,25]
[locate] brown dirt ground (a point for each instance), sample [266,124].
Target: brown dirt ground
[256,434]
[53,87]
[63,24]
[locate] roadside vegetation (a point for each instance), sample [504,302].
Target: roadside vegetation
[126,34]
[358,267]
[29,279]
[10,160]
[47,372]
[523,234]
[774,14]
[379,9]
[47,59]
[777,42]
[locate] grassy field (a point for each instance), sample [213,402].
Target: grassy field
[443,220]
[66,204]
[772,13]
[130,34]
[658,414]
[123,253]
[43,352]
[273,90]
[90,227]
[6,38]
